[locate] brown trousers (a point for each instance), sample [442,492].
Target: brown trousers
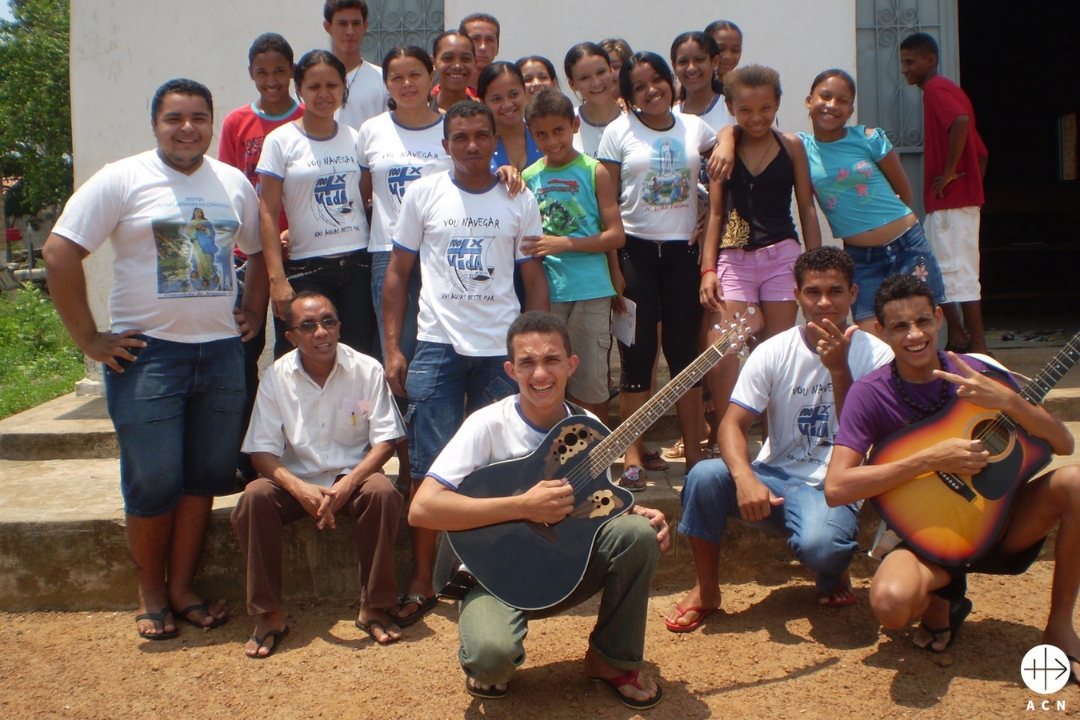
[264,509]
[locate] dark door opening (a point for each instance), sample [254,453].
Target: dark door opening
[1018,64]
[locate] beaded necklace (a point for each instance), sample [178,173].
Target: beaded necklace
[926,411]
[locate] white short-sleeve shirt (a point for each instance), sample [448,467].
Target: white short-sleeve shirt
[658,174]
[395,156]
[468,243]
[321,189]
[367,96]
[492,434]
[786,376]
[173,236]
[323,432]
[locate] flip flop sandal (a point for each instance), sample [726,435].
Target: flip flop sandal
[424,606]
[205,607]
[958,612]
[633,478]
[276,635]
[369,626]
[491,693]
[689,627]
[158,617]
[631,678]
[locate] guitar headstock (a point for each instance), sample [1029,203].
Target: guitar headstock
[736,332]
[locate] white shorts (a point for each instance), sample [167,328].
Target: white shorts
[954,238]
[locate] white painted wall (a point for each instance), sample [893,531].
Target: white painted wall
[122,50]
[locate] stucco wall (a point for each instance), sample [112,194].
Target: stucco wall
[121,50]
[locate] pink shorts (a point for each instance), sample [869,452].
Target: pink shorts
[755,276]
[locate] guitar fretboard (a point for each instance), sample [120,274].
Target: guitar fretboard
[608,450]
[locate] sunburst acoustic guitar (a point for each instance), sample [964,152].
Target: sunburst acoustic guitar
[954,519]
[532,566]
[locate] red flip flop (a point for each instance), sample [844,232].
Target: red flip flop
[702,614]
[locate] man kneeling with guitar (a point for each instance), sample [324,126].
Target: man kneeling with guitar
[954,472]
[623,556]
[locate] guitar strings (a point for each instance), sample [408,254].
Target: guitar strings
[582,474]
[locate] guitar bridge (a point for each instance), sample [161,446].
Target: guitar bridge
[957,486]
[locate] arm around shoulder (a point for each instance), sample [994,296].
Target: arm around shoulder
[804,191]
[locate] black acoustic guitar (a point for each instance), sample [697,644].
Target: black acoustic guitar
[530,565]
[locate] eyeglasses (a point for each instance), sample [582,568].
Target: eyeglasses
[308,326]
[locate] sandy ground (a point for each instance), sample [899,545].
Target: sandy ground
[771,653]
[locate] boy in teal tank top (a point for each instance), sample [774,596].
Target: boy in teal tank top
[582,232]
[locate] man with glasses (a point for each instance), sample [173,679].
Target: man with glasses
[323,426]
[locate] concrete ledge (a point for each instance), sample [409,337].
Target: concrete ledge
[65,428]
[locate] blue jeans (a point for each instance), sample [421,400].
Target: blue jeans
[909,254]
[346,280]
[823,538]
[622,565]
[443,388]
[380,261]
[178,411]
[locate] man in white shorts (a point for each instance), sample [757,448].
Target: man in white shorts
[954,160]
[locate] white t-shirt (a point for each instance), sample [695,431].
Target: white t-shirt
[323,432]
[492,434]
[468,243]
[784,375]
[658,174]
[367,96]
[395,156]
[716,116]
[321,189]
[587,138]
[173,237]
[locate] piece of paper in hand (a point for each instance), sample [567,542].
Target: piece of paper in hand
[624,325]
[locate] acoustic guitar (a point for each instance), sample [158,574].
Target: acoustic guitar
[954,519]
[531,566]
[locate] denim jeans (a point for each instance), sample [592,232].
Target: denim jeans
[380,261]
[178,411]
[823,538]
[346,280]
[623,561]
[443,388]
[909,254]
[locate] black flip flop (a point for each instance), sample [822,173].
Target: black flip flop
[160,618]
[367,627]
[491,693]
[205,607]
[424,606]
[1072,672]
[277,635]
[958,612]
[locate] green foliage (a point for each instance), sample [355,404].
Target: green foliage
[38,360]
[35,107]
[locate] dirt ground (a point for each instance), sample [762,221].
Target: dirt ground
[771,653]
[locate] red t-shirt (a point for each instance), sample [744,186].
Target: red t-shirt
[943,102]
[242,136]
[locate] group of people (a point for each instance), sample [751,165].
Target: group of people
[442,242]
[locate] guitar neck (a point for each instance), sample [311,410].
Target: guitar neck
[1036,390]
[608,451]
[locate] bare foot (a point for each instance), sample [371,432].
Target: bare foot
[696,598]
[479,689]
[936,617]
[266,624]
[597,668]
[377,623]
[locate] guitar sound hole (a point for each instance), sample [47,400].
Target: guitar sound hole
[562,449]
[570,439]
[583,433]
[995,436]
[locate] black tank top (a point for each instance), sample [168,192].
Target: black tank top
[757,210]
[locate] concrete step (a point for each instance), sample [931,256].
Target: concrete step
[63,544]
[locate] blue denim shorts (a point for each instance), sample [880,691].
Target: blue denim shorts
[178,411]
[444,387]
[909,254]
